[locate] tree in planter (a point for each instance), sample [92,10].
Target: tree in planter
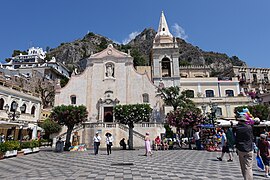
[172,97]
[50,127]
[130,114]
[69,116]
[185,118]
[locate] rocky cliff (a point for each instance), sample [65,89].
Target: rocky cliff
[71,53]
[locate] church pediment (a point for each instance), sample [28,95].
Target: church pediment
[110,51]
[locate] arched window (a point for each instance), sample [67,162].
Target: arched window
[145,98]
[24,109]
[2,102]
[229,93]
[73,99]
[190,93]
[209,93]
[166,67]
[33,110]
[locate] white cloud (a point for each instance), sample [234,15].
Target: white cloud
[179,31]
[130,37]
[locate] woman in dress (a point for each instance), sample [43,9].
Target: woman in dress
[147,145]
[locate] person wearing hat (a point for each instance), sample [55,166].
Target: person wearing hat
[96,140]
[264,152]
[244,146]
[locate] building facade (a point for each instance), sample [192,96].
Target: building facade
[19,112]
[110,79]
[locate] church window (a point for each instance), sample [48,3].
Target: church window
[166,67]
[229,93]
[73,99]
[209,93]
[163,29]
[190,94]
[145,98]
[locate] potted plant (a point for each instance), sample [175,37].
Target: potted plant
[11,148]
[26,147]
[35,145]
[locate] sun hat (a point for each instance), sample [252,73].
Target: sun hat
[97,132]
[263,136]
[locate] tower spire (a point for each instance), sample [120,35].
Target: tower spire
[163,29]
[163,35]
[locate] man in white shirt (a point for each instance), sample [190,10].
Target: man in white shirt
[197,139]
[96,140]
[225,147]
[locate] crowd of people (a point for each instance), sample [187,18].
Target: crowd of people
[239,139]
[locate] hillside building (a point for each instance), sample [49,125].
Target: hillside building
[35,61]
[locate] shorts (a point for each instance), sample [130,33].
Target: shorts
[225,149]
[265,160]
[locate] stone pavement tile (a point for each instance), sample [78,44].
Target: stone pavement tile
[178,164]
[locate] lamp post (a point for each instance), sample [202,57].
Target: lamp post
[213,112]
[13,114]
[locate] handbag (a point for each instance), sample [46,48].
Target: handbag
[260,162]
[110,143]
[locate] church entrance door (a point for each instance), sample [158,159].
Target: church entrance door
[108,114]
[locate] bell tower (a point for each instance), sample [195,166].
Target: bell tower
[165,55]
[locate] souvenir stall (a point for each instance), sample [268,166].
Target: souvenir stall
[208,137]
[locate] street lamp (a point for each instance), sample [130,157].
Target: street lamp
[13,114]
[213,112]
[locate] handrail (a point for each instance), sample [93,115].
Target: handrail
[77,128]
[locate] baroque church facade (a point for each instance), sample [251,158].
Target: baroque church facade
[110,79]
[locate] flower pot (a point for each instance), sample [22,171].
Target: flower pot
[36,149]
[27,151]
[11,153]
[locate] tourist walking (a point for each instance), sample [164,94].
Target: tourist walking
[147,141]
[197,139]
[96,140]
[263,151]
[244,146]
[225,146]
[109,143]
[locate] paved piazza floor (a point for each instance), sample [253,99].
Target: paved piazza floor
[171,164]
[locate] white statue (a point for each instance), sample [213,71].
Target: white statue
[109,70]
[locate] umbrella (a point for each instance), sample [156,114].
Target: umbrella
[108,134]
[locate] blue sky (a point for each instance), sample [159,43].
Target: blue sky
[240,28]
